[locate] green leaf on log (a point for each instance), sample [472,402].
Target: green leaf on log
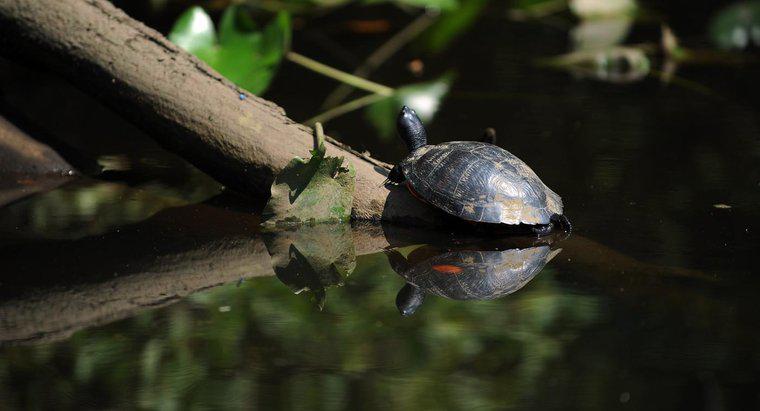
[317,190]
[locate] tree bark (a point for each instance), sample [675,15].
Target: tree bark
[23,155]
[184,104]
[28,166]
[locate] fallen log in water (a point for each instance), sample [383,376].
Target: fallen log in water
[184,104]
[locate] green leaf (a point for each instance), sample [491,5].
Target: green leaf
[737,26]
[275,41]
[246,56]
[596,34]
[237,28]
[312,191]
[437,4]
[589,9]
[424,98]
[193,31]
[452,24]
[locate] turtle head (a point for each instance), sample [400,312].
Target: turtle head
[410,129]
[409,299]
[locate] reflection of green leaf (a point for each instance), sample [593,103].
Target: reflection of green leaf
[451,24]
[737,26]
[312,258]
[614,65]
[244,55]
[311,191]
[424,98]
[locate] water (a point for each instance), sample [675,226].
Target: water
[147,288]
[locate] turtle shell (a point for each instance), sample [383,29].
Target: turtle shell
[478,275]
[480,182]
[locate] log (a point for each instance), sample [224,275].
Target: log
[239,139]
[28,166]
[20,154]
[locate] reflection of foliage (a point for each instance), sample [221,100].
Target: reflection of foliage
[424,98]
[196,353]
[248,57]
[94,207]
[312,258]
[614,64]
[597,34]
[737,26]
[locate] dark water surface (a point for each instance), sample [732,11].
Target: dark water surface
[146,288]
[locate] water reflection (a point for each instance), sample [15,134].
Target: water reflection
[312,258]
[466,273]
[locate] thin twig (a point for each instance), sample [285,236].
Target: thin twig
[345,108]
[339,75]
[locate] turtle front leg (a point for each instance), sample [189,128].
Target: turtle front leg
[395,177]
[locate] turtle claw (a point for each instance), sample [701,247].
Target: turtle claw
[395,177]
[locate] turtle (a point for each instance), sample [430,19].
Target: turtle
[475,180]
[465,274]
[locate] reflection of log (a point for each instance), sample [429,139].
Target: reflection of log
[15,187]
[51,290]
[190,109]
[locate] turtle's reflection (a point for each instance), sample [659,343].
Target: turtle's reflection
[466,272]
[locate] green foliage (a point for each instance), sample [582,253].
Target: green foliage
[424,98]
[436,4]
[737,26]
[591,9]
[317,190]
[239,51]
[598,34]
[452,24]
[619,64]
